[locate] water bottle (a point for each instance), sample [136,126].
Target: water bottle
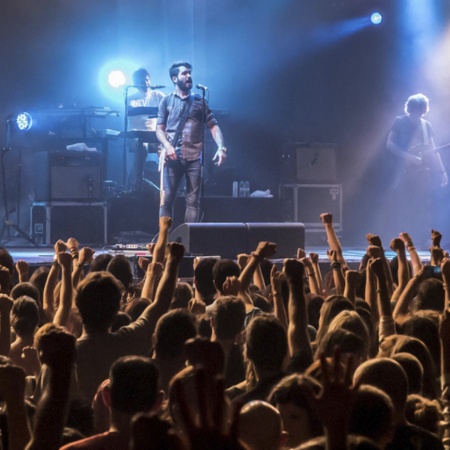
[241,189]
[235,189]
[247,188]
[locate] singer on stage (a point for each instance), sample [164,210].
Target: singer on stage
[181,118]
[145,97]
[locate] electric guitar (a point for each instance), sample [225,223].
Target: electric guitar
[423,152]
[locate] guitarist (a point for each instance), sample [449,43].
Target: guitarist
[181,118]
[411,139]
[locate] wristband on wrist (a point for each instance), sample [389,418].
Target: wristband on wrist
[335,265]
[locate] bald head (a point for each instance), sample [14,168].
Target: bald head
[260,426]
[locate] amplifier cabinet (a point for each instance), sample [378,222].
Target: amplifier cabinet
[50,221]
[306,202]
[68,175]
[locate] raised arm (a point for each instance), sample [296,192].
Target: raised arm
[264,250]
[352,279]
[276,279]
[337,271]
[159,251]
[58,353]
[375,240]
[298,338]
[12,390]
[65,297]
[403,274]
[311,274]
[415,259]
[23,269]
[332,238]
[314,257]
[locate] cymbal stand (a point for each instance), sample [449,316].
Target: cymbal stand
[7,222]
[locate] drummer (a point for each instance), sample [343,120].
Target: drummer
[145,97]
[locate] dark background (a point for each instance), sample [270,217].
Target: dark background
[286,70]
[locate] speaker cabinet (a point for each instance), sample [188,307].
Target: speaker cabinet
[230,239]
[68,176]
[224,239]
[288,237]
[304,162]
[87,222]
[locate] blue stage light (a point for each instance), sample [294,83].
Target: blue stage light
[117,78]
[24,121]
[376,18]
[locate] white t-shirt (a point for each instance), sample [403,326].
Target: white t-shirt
[144,99]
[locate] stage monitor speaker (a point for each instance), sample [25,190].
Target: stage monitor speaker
[68,176]
[230,239]
[304,162]
[288,237]
[224,239]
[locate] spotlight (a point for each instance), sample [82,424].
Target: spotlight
[24,121]
[116,78]
[376,18]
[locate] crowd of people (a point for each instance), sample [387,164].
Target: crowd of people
[249,354]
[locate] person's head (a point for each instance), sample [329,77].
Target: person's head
[136,307]
[122,319]
[398,344]
[331,307]
[372,415]
[81,416]
[222,269]
[172,331]
[417,105]
[203,279]
[430,295]
[261,302]
[100,262]
[25,288]
[228,317]
[141,77]
[133,386]
[39,277]
[261,426]
[347,341]
[120,267]
[413,369]
[183,293]
[24,316]
[299,420]
[350,321]
[387,375]
[181,75]
[266,343]
[98,300]
[6,260]
[423,412]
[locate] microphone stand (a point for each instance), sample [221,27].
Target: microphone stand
[202,163]
[125,127]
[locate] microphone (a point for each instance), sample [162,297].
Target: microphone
[157,86]
[200,86]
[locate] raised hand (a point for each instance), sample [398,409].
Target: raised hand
[175,250]
[397,245]
[406,238]
[293,269]
[374,239]
[300,253]
[57,349]
[143,263]
[231,286]
[276,279]
[436,237]
[242,260]
[86,255]
[326,218]
[64,260]
[71,244]
[374,251]
[266,249]
[61,246]
[23,269]
[314,257]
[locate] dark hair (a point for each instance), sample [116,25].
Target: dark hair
[203,278]
[98,300]
[122,319]
[136,307]
[25,288]
[347,341]
[372,413]
[222,269]
[413,369]
[100,262]
[174,69]
[228,317]
[24,316]
[182,295]
[120,267]
[172,331]
[291,389]
[134,384]
[423,412]
[431,295]
[139,76]
[81,416]
[266,342]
